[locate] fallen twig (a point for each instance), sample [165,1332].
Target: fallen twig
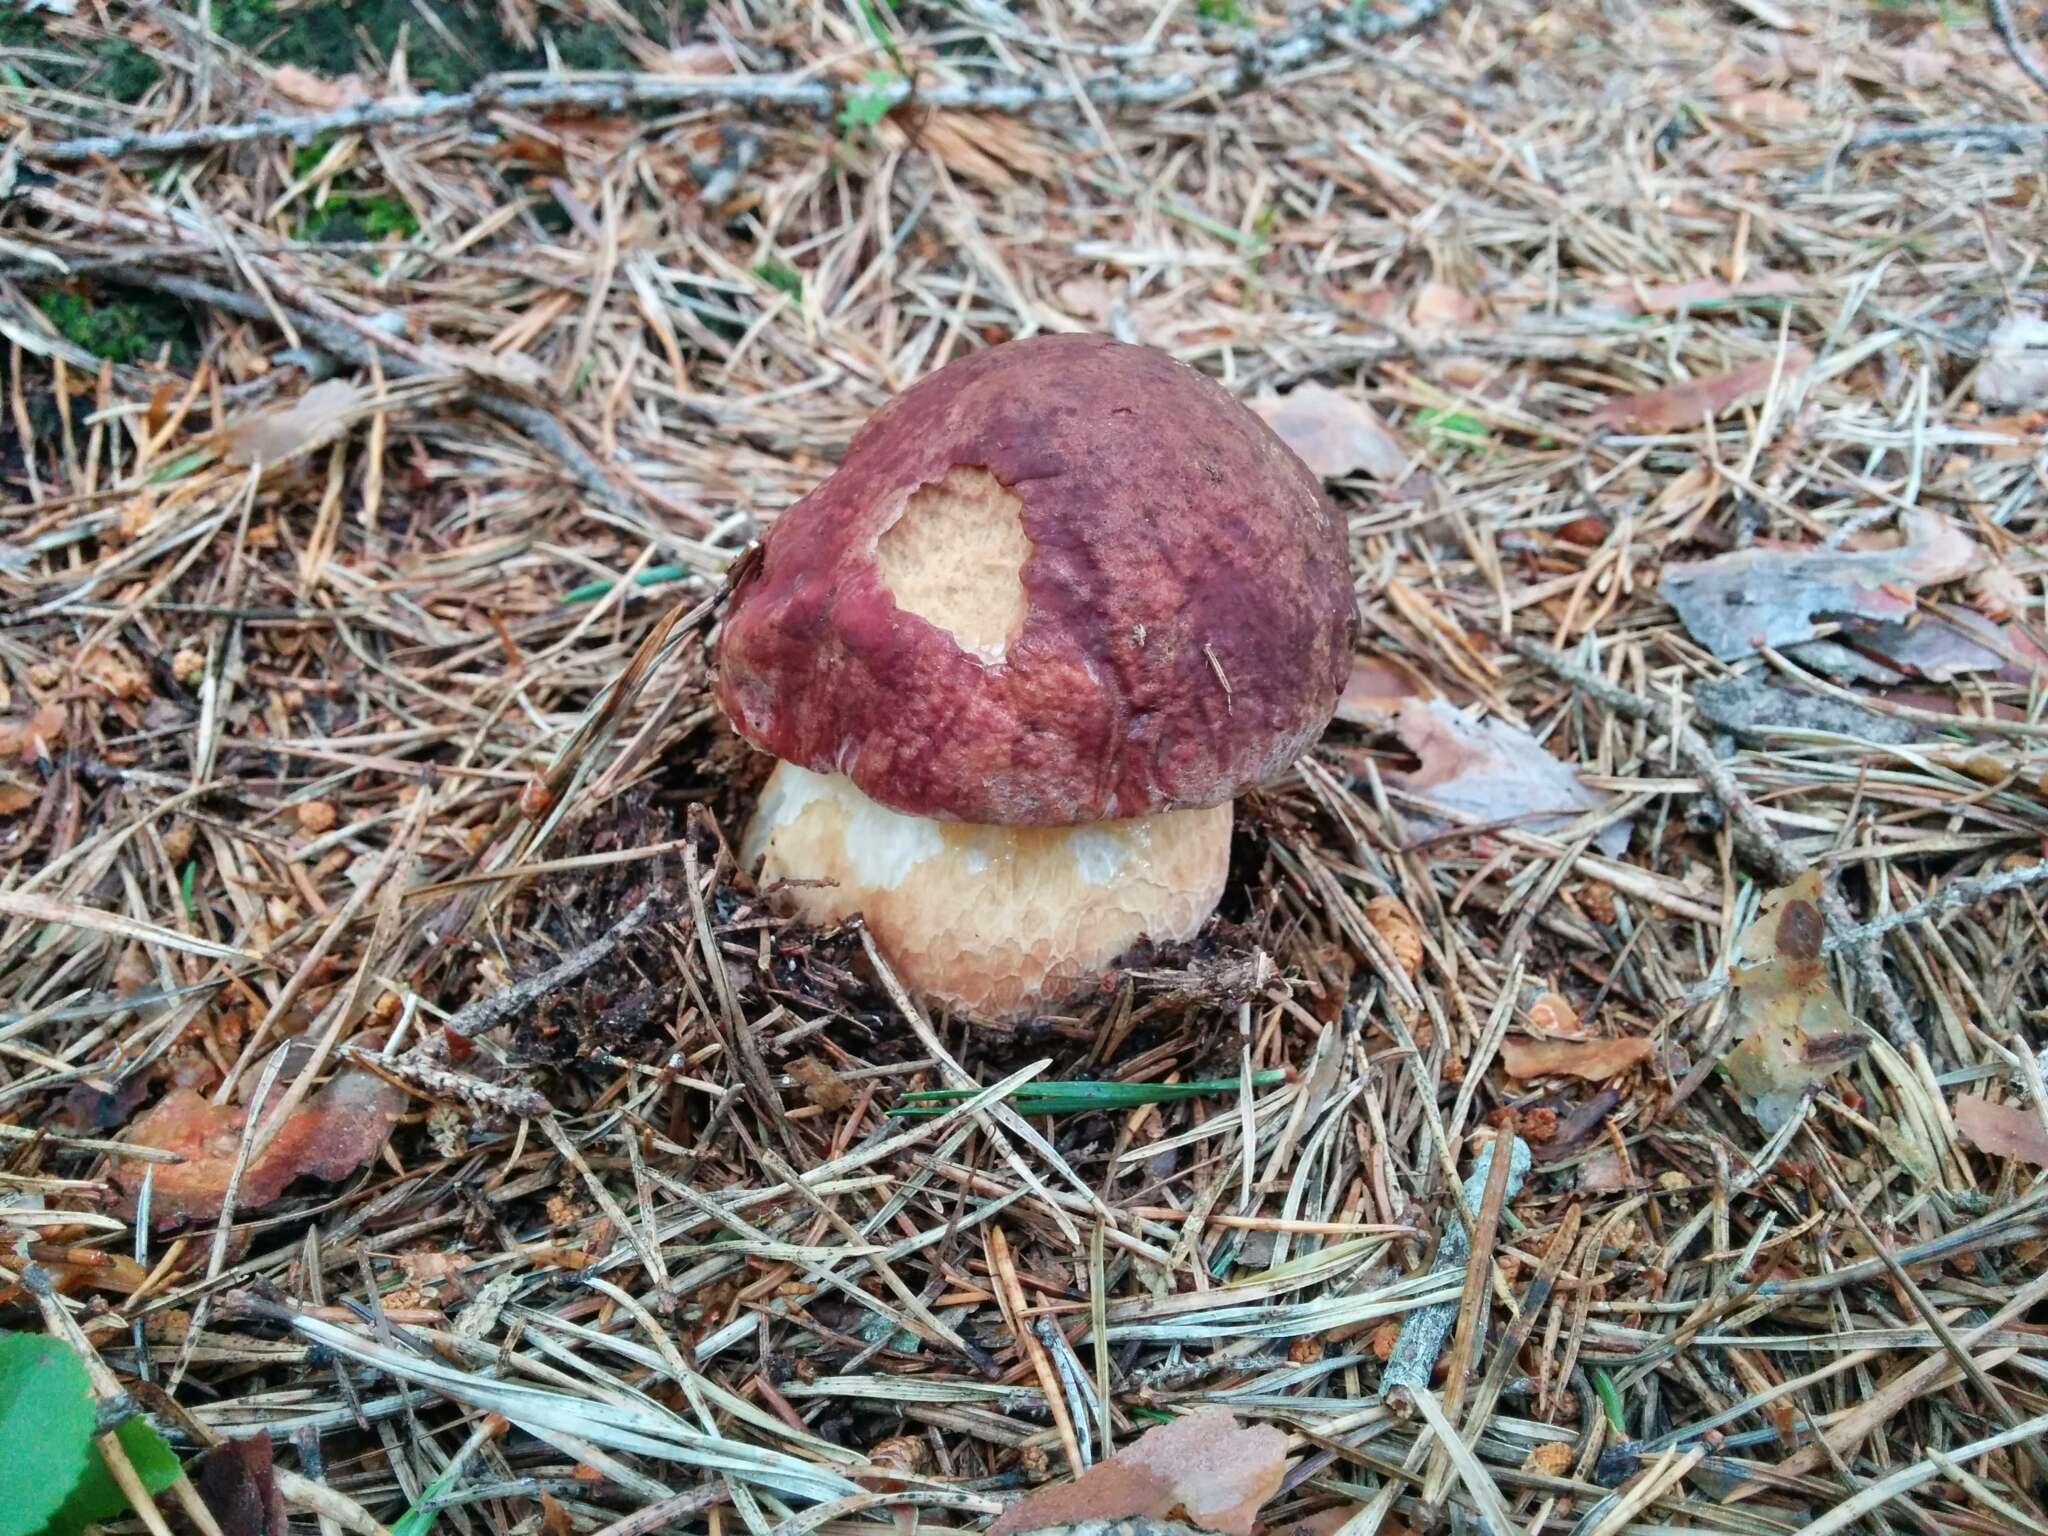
[1752,833]
[1238,72]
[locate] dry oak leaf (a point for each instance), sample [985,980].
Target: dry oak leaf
[271,436]
[1776,596]
[304,88]
[1493,771]
[331,1134]
[1335,435]
[1594,1060]
[1679,406]
[2015,371]
[1204,1468]
[1791,1030]
[2001,1130]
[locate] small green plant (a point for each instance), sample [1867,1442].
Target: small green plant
[53,1480]
[1454,426]
[865,108]
[1226,12]
[776,275]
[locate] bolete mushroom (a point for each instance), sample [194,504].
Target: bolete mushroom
[1060,604]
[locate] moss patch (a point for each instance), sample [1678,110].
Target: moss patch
[334,37]
[110,67]
[125,324]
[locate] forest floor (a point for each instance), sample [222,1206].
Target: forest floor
[398,1076]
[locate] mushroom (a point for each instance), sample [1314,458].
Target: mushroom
[1062,602]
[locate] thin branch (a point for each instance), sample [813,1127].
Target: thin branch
[1752,833]
[2009,34]
[540,426]
[1236,73]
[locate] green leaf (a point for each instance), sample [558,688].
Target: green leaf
[1455,425]
[46,1424]
[419,1519]
[1610,1399]
[776,275]
[97,1497]
[863,109]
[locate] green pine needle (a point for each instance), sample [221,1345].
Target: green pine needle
[1083,1097]
[654,575]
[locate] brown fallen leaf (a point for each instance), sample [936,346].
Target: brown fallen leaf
[1775,596]
[33,738]
[1439,310]
[237,1482]
[1204,1468]
[304,88]
[16,797]
[821,1085]
[1771,108]
[1791,1030]
[272,436]
[1374,690]
[1683,405]
[1334,434]
[1594,1060]
[2015,370]
[330,1135]
[1922,64]
[1493,771]
[1665,298]
[2001,1130]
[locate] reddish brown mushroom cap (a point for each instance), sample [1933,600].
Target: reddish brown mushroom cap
[1182,621]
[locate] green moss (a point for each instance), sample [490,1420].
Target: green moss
[333,37]
[110,67]
[126,73]
[124,324]
[352,216]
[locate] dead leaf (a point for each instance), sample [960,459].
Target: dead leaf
[1666,298]
[304,88]
[1936,649]
[330,1135]
[110,667]
[1549,1458]
[1773,596]
[33,739]
[1493,771]
[433,1263]
[821,1085]
[1923,64]
[1334,434]
[237,1482]
[1593,1060]
[16,797]
[272,436]
[1440,309]
[1204,1468]
[2001,1130]
[1791,1030]
[2015,370]
[1769,108]
[1374,690]
[1602,1174]
[1683,405]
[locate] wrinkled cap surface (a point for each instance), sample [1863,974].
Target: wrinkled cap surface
[1062,580]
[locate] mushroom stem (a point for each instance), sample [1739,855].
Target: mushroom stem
[995,920]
